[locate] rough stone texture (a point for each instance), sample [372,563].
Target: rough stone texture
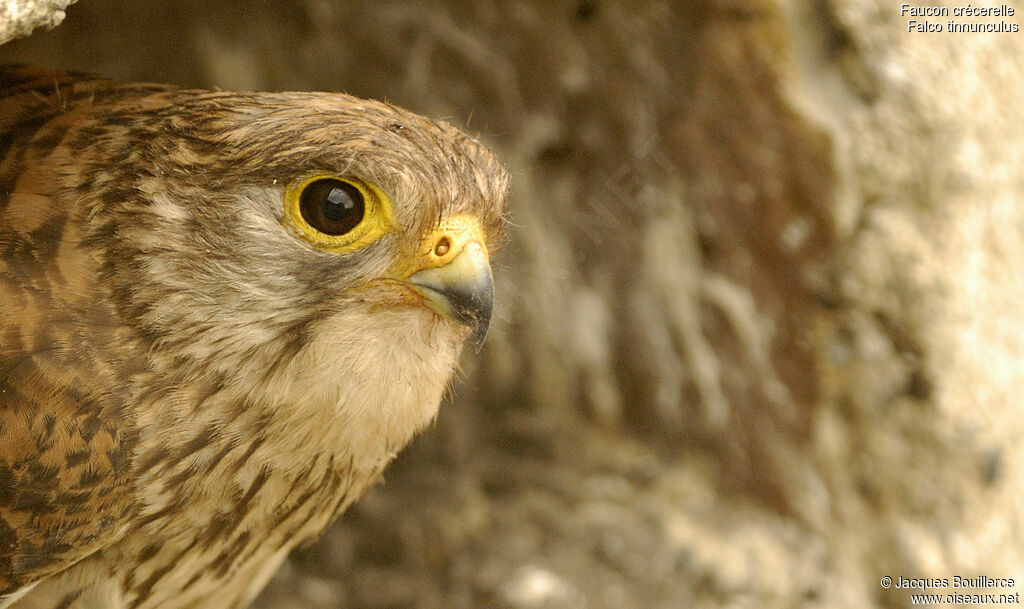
[760,333]
[18,18]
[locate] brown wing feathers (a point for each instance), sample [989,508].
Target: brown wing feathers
[64,439]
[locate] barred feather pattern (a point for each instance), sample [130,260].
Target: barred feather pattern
[188,389]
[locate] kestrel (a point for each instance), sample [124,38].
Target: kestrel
[221,315]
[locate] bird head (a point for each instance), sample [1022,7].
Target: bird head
[272,232]
[222,315]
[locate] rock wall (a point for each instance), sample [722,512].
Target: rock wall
[759,335]
[19,19]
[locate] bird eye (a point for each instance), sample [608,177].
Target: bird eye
[337,214]
[332,206]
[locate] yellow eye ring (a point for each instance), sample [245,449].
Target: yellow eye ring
[337,214]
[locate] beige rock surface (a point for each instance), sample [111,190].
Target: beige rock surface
[19,18]
[761,329]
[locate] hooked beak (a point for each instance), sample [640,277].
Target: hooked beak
[457,282]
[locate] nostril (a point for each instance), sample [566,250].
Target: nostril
[443,246]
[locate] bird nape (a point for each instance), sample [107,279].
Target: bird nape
[221,315]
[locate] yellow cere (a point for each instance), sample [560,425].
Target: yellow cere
[378,218]
[443,244]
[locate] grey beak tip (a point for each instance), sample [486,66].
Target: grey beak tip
[462,291]
[473,308]
[481,321]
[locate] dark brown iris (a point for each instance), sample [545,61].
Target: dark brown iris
[332,206]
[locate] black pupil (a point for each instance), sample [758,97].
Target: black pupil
[332,206]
